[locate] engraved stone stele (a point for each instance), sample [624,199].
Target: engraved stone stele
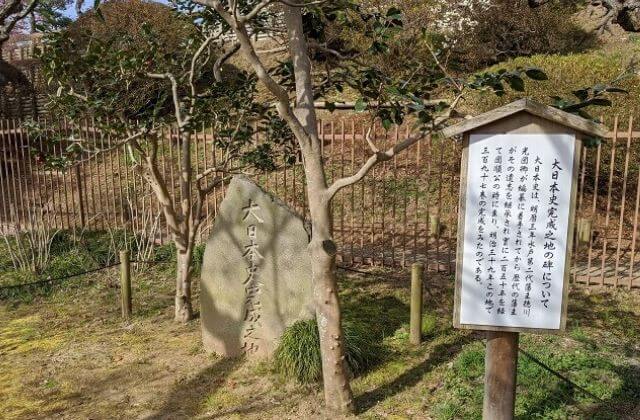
[256,274]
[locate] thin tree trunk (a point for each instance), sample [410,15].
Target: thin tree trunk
[181,230]
[183,306]
[338,395]
[337,391]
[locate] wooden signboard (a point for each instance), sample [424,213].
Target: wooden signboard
[518,190]
[515,228]
[517,207]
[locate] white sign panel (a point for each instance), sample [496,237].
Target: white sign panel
[515,230]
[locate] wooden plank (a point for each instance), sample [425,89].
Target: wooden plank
[462,205]
[574,122]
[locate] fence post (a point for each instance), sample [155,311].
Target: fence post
[415,329]
[125,284]
[80,194]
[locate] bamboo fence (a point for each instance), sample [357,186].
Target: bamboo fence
[404,211]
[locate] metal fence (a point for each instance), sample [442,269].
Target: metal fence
[405,210]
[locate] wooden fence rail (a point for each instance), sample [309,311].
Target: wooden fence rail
[405,211]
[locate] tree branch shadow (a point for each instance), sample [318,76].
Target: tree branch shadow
[438,355]
[186,398]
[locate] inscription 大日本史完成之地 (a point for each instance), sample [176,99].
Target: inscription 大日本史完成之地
[252,282]
[256,274]
[517,207]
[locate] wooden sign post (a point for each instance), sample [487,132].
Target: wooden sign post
[515,232]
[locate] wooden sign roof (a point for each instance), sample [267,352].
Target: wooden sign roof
[535,108]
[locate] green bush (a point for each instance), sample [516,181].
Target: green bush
[298,355]
[104,246]
[165,253]
[13,277]
[62,242]
[429,324]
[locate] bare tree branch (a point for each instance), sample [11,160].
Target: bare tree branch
[182,122]
[194,60]
[254,12]
[388,154]
[117,144]
[217,66]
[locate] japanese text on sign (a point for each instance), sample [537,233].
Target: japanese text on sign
[518,198]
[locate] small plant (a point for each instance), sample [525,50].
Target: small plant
[146,228]
[30,249]
[429,324]
[298,355]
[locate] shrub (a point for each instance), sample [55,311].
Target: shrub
[120,24]
[198,258]
[496,30]
[165,253]
[298,355]
[473,34]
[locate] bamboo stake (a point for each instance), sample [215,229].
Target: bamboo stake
[623,201]
[607,216]
[415,329]
[125,284]
[593,210]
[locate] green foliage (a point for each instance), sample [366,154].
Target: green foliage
[165,253]
[147,71]
[198,257]
[499,80]
[429,324]
[362,39]
[298,354]
[505,31]
[116,49]
[69,263]
[565,73]
[540,394]
[11,277]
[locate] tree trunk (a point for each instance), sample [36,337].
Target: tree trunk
[183,307]
[180,231]
[337,392]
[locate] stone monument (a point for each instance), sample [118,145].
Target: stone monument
[256,274]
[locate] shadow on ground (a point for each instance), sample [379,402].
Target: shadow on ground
[187,397]
[439,354]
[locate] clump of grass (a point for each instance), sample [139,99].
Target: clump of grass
[165,253]
[69,263]
[429,324]
[298,355]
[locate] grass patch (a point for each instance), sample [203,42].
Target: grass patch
[298,354]
[64,354]
[539,394]
[567,73]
